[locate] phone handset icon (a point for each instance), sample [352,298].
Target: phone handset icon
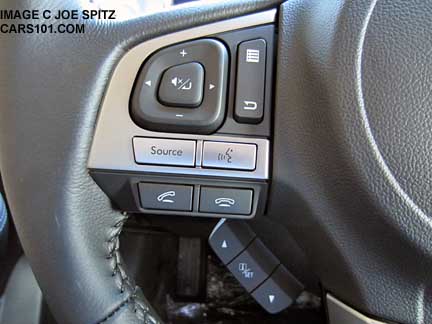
[164,197]
[224,202]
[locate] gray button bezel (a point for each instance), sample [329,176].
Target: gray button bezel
[148,112]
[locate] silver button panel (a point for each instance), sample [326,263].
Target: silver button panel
[121,158]
[162,151]
[225,155]
[137,155]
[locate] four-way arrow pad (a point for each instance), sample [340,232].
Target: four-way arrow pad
[173,80]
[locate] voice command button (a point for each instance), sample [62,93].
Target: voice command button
[224,155]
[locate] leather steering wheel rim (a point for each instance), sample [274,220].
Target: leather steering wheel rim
[351,141]
[67,226]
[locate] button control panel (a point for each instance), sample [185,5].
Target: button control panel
[222,155]
[195,197]
[236,157]
[189,118]
[254,266]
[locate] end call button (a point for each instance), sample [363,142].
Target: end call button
[164,151]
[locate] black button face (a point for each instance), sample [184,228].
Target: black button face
[165,196]
[251,70]
[278,292]
[230,238]
[253,265]
[147,108]
[226,200]
[182,85]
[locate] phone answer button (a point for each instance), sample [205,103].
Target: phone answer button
[165,196]
[220,200]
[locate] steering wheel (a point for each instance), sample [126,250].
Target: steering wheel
[351,175]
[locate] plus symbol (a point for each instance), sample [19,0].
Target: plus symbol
[183,53]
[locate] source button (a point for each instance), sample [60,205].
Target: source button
[164,151]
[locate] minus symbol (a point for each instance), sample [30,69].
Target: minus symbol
[179,115]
